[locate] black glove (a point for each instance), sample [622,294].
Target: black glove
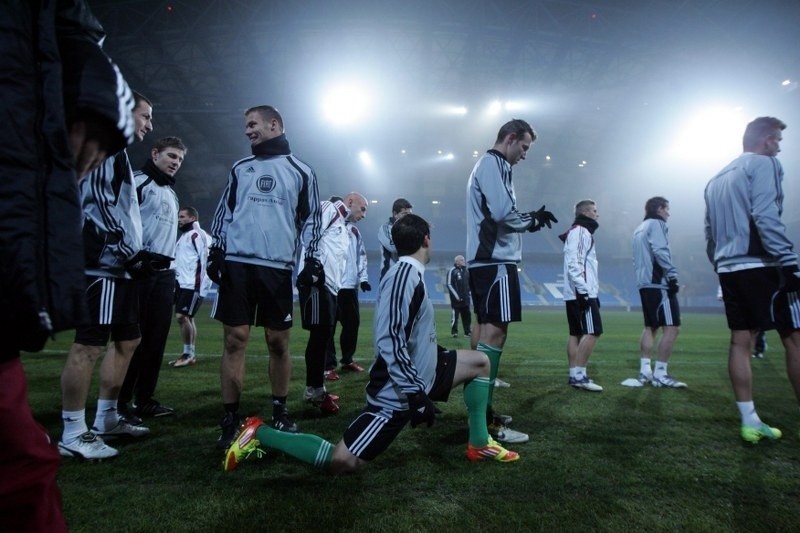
[139,266]
[790,278]
[542,218]
[672,286]
[215,268]
[312,275]
[583,300]
[422,409]
[365,286]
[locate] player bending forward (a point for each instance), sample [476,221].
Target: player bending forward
[409,373]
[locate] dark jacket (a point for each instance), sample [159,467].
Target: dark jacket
[458,286]
[52,70]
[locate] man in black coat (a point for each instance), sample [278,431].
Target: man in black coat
[458,287]
[66,107]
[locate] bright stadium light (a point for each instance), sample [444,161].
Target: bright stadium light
[456,110]
[495,107]
[346,104]
[365,158]
[711,134]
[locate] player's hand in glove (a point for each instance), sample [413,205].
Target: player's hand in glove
[542,218]
[673,286]
[365,286]
[216,265]
[583,300]
[422,409]
[139,266]
[790,281]
[312,275]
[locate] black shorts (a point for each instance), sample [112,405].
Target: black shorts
[660,308]
[495,293]
[375,428]
[748,296]
[254,295]
[113,311]
[187,302]
[584,322]
[317,307]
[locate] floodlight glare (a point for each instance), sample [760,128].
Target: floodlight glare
[365,158]
[346,104]
[710,134]
[495,107]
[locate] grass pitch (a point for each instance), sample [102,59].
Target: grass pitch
[621,460]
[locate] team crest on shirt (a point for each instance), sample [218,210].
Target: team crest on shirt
[265,183]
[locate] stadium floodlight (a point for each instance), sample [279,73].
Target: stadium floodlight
[456,110]
[495,107]
[365,158]
[709,135]
[346,104]
[786,83]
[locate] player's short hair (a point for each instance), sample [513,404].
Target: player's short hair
[583,206]
[399,204]
[191,210]
[516,126]
[169,142]
[652,206]
[409,233]
[760,128]
[139,97]
[267,112]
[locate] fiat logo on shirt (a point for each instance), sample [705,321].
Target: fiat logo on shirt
[265,183]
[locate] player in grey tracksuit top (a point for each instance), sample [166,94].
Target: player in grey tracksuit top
[652,259]
[403,325]
[494,224]
[746,242]
[112,224]
[276,200]
[743,226]
[159,207]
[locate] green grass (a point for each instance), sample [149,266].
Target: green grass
[622,460]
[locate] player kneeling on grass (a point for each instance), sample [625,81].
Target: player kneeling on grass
[409,373]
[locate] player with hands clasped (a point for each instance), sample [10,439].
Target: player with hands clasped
[494,248]
[657,279]
[581,287]
[410,371]
[756,263]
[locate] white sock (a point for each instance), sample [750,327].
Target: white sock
[107,416]
[748,412]
[74,425]
[644,366]
[573,372]
[580,372]
[188,348]
[661,369]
